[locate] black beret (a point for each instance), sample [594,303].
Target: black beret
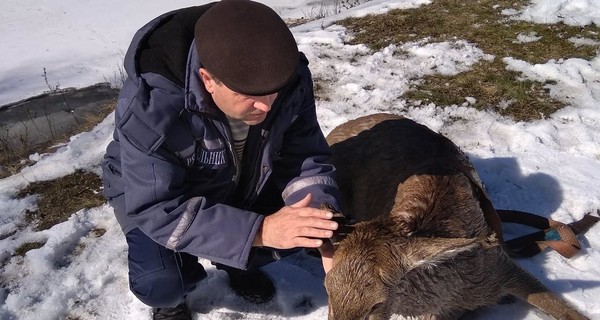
[247,46]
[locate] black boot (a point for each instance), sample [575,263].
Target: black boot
[252,285]
[180,312]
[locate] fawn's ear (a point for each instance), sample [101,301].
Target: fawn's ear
[428,252]
[345,225]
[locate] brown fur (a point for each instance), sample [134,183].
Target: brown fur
[422,248]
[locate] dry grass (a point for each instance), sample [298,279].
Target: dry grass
[22,250]
[58,199]
[479,22]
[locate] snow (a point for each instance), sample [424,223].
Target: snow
[550,166]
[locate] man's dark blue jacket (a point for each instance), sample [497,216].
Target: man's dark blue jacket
[171,169]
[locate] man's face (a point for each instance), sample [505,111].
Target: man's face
[250,109]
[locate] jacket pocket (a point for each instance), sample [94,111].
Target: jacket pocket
[111,180]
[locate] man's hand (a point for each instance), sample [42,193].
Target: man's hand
[294,226]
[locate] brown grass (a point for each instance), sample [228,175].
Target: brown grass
[58,199]
[22,250]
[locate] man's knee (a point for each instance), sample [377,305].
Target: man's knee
[161,289]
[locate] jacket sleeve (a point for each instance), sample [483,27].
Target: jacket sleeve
[305,156]
[167,208]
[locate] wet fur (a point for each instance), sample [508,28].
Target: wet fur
[422,248]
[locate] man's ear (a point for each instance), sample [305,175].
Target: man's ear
[207,79]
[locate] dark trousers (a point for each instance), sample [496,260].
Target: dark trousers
[162,278]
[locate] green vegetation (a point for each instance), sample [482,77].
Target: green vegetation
[481,23]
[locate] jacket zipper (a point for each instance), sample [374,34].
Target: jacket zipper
[253,187]
[226,132]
